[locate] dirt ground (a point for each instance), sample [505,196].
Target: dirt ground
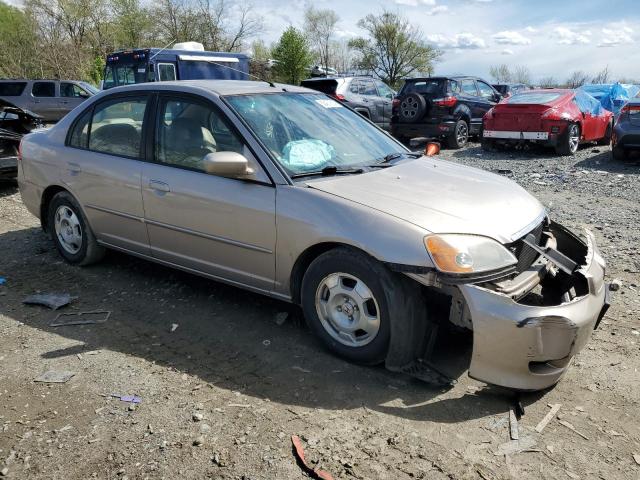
[223,393]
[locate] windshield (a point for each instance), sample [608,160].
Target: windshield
[93,90]
[533,98]
[309,132]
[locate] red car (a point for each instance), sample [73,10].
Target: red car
[556,118]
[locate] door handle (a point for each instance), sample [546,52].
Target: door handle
[73,168]
[159,186]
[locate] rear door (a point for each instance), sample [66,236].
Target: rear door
[44,100]
[487,99]
[374,103]
[223,227]
[71,95]
[469,93]
[103,169]
[385,99]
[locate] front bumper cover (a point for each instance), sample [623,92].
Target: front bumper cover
[529,347]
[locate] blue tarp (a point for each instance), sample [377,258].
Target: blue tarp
[588,104]
[611,96]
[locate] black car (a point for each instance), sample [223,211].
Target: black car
[14,123]
[449,108]
[368,96]
[626,131]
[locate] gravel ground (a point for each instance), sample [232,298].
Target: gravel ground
[223,392]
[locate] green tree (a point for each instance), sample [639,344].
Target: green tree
[18,43]
[292,56]
[394,48]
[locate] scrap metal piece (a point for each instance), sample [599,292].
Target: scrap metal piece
[80,318]
[426,372]
[52,300]
[559,259]
[53,376]
[302,462]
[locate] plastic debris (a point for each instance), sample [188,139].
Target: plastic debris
[298,451]
[3,280]
[280,318]
[53,301]
[636,457]
[127,398]
[174,327]
[300,369]
[548,417]
[80,318]
[53,376]
[266,343]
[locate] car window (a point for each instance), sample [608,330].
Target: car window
[72,90]
[454,86]
[383,90]
[485,90]
[116,126]
[166,72]
[355,87]
[109,80]
[12,89]
[368,88]
[79,136]
[189,130]
[43,89]
[306,132]
[468,86]
[533,98]
[429,87]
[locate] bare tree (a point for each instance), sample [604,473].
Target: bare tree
[548,82]
[521,74]
[341,56]
[577,79]
[320,28]
[394,48]
[500,73]
[602,76]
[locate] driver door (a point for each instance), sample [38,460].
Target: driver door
[223,227]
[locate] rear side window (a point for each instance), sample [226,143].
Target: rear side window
[116,127]
[166,72]
[79,137]
[485,90]
[72,90]
[355,87]
[12,89]
[43,89]
[368,88]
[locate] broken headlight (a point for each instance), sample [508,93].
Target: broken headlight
[463,254]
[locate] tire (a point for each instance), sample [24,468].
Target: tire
[567,144]
[606,140]
[412,108]
[487,144]
[619,153]
[460,135]
[353,276]
[71,232]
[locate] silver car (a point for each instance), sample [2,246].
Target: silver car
[284,191]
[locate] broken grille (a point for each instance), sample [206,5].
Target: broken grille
[523,252]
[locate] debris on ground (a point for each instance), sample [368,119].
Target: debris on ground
[298,451]
[280,318]
[564,423]
[516,446]
[127,398]
[80,318]
[300,369]
[615,285]
[3,280]
[636,457]
[54,376]
[548,417]
[174,327]
[54,301]
[513,425]
[197,417]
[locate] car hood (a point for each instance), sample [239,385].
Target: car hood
[443,197]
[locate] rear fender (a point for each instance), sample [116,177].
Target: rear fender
[462,112]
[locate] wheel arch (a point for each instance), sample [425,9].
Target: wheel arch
[463,112]
[45,200]
[304,260]
[364,111]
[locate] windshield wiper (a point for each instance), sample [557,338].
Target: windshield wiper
[327,171]
[394,156]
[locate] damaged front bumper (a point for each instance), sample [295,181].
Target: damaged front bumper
[528,343]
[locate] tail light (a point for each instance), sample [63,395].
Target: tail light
[631,109]
[339,96]
[445,102]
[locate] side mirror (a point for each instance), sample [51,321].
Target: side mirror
[227,164]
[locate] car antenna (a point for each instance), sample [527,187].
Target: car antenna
[161,50]
[271,84]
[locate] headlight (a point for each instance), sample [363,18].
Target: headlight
[457,253]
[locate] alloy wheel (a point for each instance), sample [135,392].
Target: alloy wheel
[68,229]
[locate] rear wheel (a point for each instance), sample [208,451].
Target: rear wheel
[71,232]
[606,140]
[460,135]
[568,143]
[346,305]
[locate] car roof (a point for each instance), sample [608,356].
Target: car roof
[218,87]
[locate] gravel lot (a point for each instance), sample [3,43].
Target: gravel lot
[223,392]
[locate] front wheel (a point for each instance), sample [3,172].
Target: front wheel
[568,143]
[346,305]
[460,135]
[71,232]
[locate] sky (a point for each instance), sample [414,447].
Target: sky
[550,37]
